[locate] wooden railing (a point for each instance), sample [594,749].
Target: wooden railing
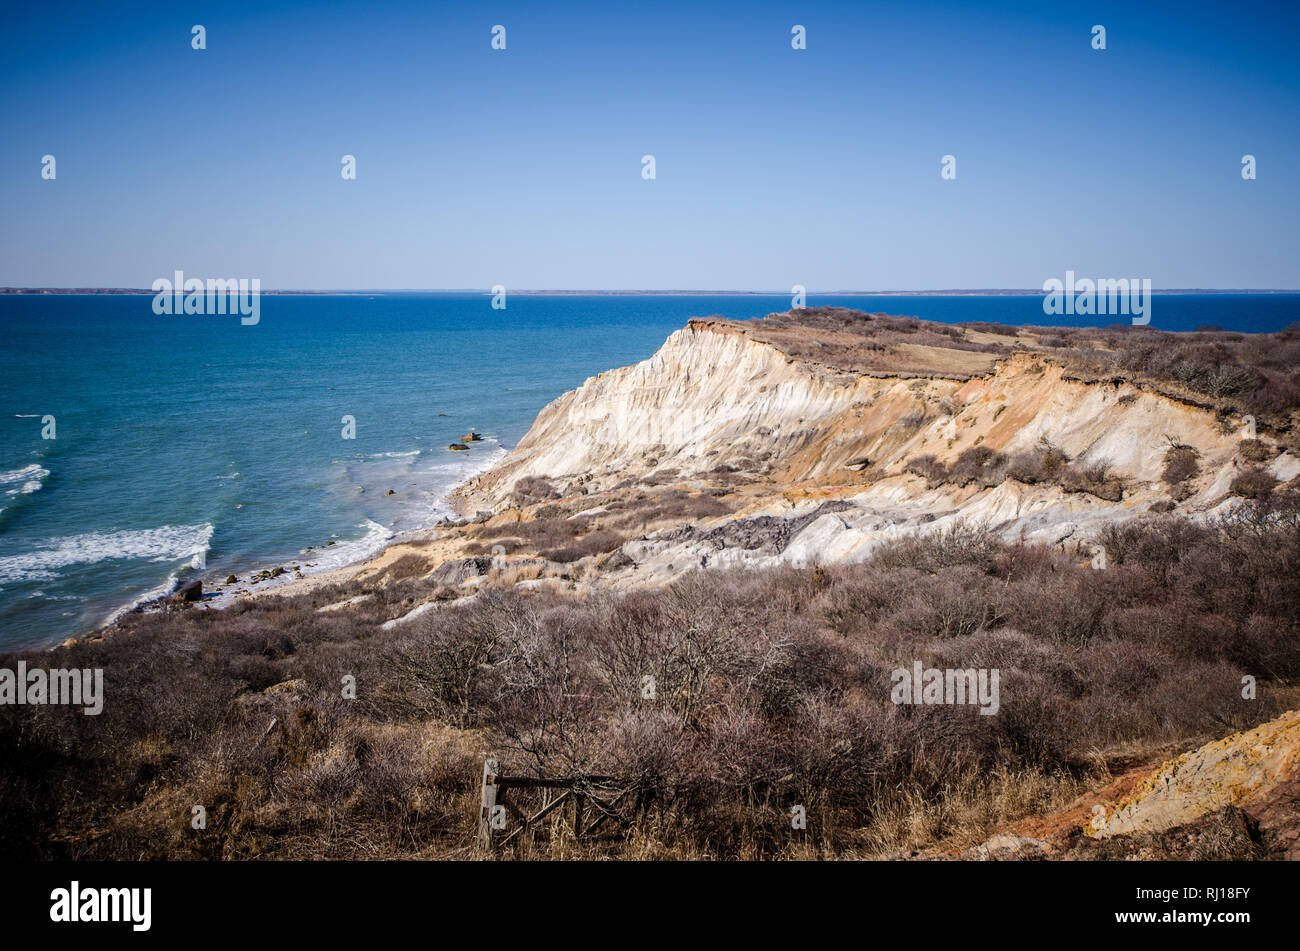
[593,799]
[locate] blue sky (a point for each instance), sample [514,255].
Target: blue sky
[774,166]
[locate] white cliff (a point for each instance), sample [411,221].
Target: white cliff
[803,433]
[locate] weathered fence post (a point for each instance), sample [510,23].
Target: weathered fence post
[500,795]
[489,803]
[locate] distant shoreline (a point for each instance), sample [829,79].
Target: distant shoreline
[954,292]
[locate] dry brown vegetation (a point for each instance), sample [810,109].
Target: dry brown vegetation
[532,489]
[1240,373]
[1046,463]
[566,530]
[1256,374]
[859,342]
[1253,483]
[1253,450]
[1182,463]
[773,690]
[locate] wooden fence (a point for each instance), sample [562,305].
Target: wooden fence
[593,800]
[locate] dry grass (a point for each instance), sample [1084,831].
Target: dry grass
[772,691]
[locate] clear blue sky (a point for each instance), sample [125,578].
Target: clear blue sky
[775,167]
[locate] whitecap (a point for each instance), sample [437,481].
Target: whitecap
[169,543]
[153,594]
[31,477]
[341,554]
[453,474]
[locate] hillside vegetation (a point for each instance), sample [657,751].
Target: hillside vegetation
[773,690]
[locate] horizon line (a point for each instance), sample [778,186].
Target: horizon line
[642,292]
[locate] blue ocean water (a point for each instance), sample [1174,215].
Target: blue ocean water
[195,446]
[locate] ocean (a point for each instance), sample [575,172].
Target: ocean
[194,446]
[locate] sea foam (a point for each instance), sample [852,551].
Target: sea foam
[168,543]
[32,478]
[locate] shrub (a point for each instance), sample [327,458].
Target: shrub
[772,688]
[930,553]
[1052,459]
[595,543]
[1253,483]
[1254,450]
[929,468]
[533,489]
[1025,467]
[980,465]
[960,600]
[991,328]
[1095,479]
[1181,464]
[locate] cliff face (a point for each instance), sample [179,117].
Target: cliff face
[707,398]
[713,403]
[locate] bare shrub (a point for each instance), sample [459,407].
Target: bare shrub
[1044,463]
[928,468]
[992,328]
[959,601]
[1254,450]
[980,465]
[959,544]
[770,688]
[594,543]
[1095,479]
[1253,483]
[1182,463]
[533,489]
[1026,467]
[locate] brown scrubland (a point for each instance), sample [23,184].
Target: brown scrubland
[773,690]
